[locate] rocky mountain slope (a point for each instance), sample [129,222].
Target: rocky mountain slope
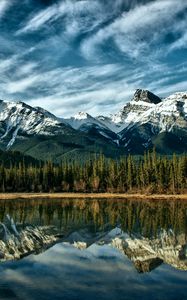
[143,123]
[141,102]
[38,133]
[93,126]
[146,122]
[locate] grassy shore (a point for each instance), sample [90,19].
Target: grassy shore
[89,195]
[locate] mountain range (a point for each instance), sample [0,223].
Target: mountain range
[146,121]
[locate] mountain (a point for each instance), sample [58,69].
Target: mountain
[141,102]
[38,133]
[162,125]
[92,126]
[145,122]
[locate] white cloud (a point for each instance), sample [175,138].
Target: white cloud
[101,88]
[135,30]
[59,80]
[40,19]
[173,88]
[72,94]
[4,5]
[20,85]
[26,68]
[72,12]
[5,64]
[40,79]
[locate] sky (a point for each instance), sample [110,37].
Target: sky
[91,55]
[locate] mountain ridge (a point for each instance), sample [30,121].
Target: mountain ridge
[145,122]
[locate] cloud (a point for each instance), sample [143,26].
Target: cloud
[4,5]
[172,88]
[180,43]
[67,79]
[72,12]
[40,19]
[26,69]
[6,64]
[85,89]
[21,85]
[104,87]
[91,55]
[135,31]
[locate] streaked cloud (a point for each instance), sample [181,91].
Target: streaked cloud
[72,12]
[135,31]
[91,55]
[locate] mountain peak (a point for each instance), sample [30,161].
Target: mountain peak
[81,116]
[146,96]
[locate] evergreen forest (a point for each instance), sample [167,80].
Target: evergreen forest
[151,173]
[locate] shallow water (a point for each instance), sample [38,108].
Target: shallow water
[100,270]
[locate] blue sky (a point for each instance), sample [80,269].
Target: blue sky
[91,55]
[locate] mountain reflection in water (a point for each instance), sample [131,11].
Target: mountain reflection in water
[100,246]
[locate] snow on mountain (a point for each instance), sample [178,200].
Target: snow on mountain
[170,113]
[80,119]
[88,124]
[46,113]
[16,117]
[162,125]
[82,116]
[141,119]
[142,101]
[113,124]
[146,108]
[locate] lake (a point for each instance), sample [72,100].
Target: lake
[93,249]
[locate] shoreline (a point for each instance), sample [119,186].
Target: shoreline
[15,196]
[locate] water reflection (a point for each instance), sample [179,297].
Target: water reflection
[64,272]
[144,217]
[93,249]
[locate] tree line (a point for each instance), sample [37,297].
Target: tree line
[149,174]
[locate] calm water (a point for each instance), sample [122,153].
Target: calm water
[107,249]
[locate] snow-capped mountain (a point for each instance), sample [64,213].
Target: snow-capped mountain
[80,119]
[141,102]
[164,122]
[143,123]
[146,107]
[18,118]
[93,126]
[168,114]
[38,133]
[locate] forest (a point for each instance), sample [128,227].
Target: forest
[151,173]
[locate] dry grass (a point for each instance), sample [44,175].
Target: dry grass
[90,195]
